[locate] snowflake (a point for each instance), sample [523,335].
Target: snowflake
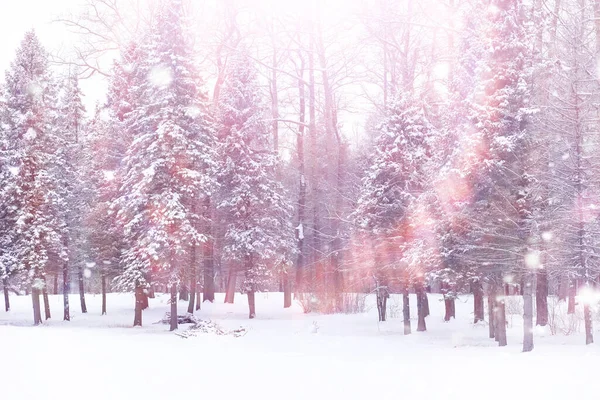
[160,76]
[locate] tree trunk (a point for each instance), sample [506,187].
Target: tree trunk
[103,293]
[251,304]
[449,302]
[66,290]
[500,323]
[139,306]
[145,301]
[198,299]
[316,279]
[193,279]
[230,293]
[528,313]
[287,291]
[541,298]
[587,318]
[301,184]
[478,308]
[572,293]
[173,302]
[425,303]
[406,310]
[491,312]
[46,301]
[382,296]
[208,255]
[6,299]
[421,326]
[37,312]
[55,284]
[81,289]
[449,308]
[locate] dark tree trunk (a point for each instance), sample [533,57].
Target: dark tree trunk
[491,312]
[230,293]
[449,306]
[55,284]
[208,254]
[478,308]
[287,291]
[587,318]
[145,299]
[37,312]
[66,289]
[193,279]
[425,303]
[449,302]
[406,310]
[103,293]
[421,296]
[251,304]
[198,300]
[541,298]
[572,293]
[173,302]
[500,323]
[81,289]
[46,301]
[6,299]
[139,305]
[382,296]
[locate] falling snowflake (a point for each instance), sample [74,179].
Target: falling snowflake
[160,76]
[532,259]
[34,89]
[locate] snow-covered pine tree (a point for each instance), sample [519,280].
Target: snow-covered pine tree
[72,114]
[168,166]
[32,191]
[257,213]
[105,144]
[458,154]
[7,260]
[395,180]
[504,186]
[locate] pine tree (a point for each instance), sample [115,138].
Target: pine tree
[70,152]
[32,192]
[504,188]
[259,236]
[394,182]
[167,168]
[105,145]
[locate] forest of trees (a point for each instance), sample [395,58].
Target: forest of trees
[224,157]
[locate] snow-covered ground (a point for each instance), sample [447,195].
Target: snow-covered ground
[281,357]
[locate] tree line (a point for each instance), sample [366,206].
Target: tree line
[475,170]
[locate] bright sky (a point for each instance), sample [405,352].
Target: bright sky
[19,16]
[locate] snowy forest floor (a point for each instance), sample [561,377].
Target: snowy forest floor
[281,356]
